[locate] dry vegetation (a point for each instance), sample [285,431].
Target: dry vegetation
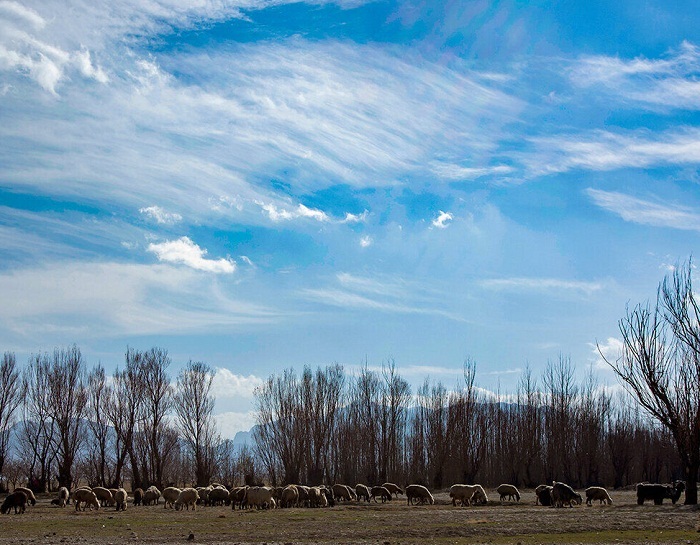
[388,524]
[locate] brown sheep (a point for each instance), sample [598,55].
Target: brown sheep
[393,488]
[17,499]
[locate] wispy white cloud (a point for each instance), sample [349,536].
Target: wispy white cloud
[540,284]
[186,252]
[356,218]
[668,82]
[89,300]
[283,214]
[442,220]
[366,241]
[604,150]
[450,171]
[394,296]
[645,212]
[160,215]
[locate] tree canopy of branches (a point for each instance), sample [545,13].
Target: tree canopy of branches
[194,407]
[10,399]
[660,365]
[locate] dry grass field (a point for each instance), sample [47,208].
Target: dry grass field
[393,523]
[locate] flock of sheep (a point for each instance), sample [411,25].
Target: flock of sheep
[557,494]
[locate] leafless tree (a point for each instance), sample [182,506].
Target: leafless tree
[396,395]
[124,400]
[660,365]
[101,445]
[321,395]
[561,394]
[10,399]
[67,402]
[279,436]
[157,402]
[39,436]
[194,408]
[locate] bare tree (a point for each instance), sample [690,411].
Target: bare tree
[102,447]
[124,400]
[321,395]
[660,365]
[279,436]
[38,438]
[10,399]
[194,408]
[396,394]
[67,401]
[157,402]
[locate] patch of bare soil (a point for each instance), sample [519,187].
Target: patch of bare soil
[393,523]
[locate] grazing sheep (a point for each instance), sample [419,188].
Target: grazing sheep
[17,499]
[303,495]
[543,495]
[381,492]
[341,492]
[151,495]
[562,493]
[420,493]
[105,496]
[362,491]
[138,496]
[170,496]
[597,493]
[187,497]
[508,490]
[290,496]
[28,492]
[317,497]
[203,492]
[120,499]
[63,496]
[237,497]
[260,497]
[86,497]
[467,494]
[658,492]
[393,488]
[218,496]
[462,493]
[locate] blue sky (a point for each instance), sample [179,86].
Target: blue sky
[270,184]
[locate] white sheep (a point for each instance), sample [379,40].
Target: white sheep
[393,488]
[187,497]
[31,498]
[598,493]
[290,496]
[151,495]
[104,495]
[63,496]
[170,495]
[120,499]
[508,490]
[419,492]
[317,497]
[362,491]
[86,497]
[260,497]
[462,493]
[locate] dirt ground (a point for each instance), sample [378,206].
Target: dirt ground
[393,523]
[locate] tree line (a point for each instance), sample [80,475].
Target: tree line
[325,426]
[62,424]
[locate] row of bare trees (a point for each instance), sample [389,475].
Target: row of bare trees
[61,423]
[371,428]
